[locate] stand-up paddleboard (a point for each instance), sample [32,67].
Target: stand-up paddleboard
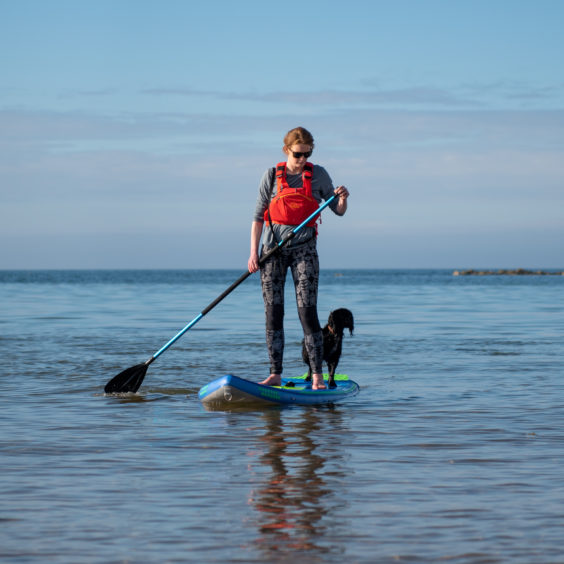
[232,390]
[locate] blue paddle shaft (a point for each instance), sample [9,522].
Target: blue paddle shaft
[306,221]
[243,277]
[177,336]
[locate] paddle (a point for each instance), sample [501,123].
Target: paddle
[131,379]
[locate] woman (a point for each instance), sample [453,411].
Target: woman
[287,196]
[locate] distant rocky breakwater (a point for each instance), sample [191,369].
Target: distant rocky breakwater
[508,272]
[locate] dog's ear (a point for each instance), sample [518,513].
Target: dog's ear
[351,323]
[348,320]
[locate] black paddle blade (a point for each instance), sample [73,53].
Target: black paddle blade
[127,381]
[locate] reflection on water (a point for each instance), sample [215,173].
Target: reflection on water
[294,497]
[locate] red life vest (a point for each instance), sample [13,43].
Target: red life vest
[292,206]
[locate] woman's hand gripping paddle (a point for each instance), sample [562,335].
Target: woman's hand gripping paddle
[131,379]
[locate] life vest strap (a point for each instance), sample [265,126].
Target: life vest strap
[290,206]
[282,180]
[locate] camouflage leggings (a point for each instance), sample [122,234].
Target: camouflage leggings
[304,265]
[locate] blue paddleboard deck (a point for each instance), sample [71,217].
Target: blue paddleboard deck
[231,390]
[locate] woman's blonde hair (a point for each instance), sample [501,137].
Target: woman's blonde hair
[298,136]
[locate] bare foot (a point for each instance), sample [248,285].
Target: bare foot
[317,383]
[272,380]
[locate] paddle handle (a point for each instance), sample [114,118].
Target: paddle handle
[241,279]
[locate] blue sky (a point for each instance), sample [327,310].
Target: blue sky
[134,133]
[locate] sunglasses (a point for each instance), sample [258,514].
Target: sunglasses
[300,155]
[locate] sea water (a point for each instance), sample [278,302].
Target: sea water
[453,450]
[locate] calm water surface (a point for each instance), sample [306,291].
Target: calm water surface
[453,451]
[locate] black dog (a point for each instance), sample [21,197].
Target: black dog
[338,321]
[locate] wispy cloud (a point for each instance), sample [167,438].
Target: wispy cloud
[516,90]
[95,93]
[399,97]
[351,129]
[470,96]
